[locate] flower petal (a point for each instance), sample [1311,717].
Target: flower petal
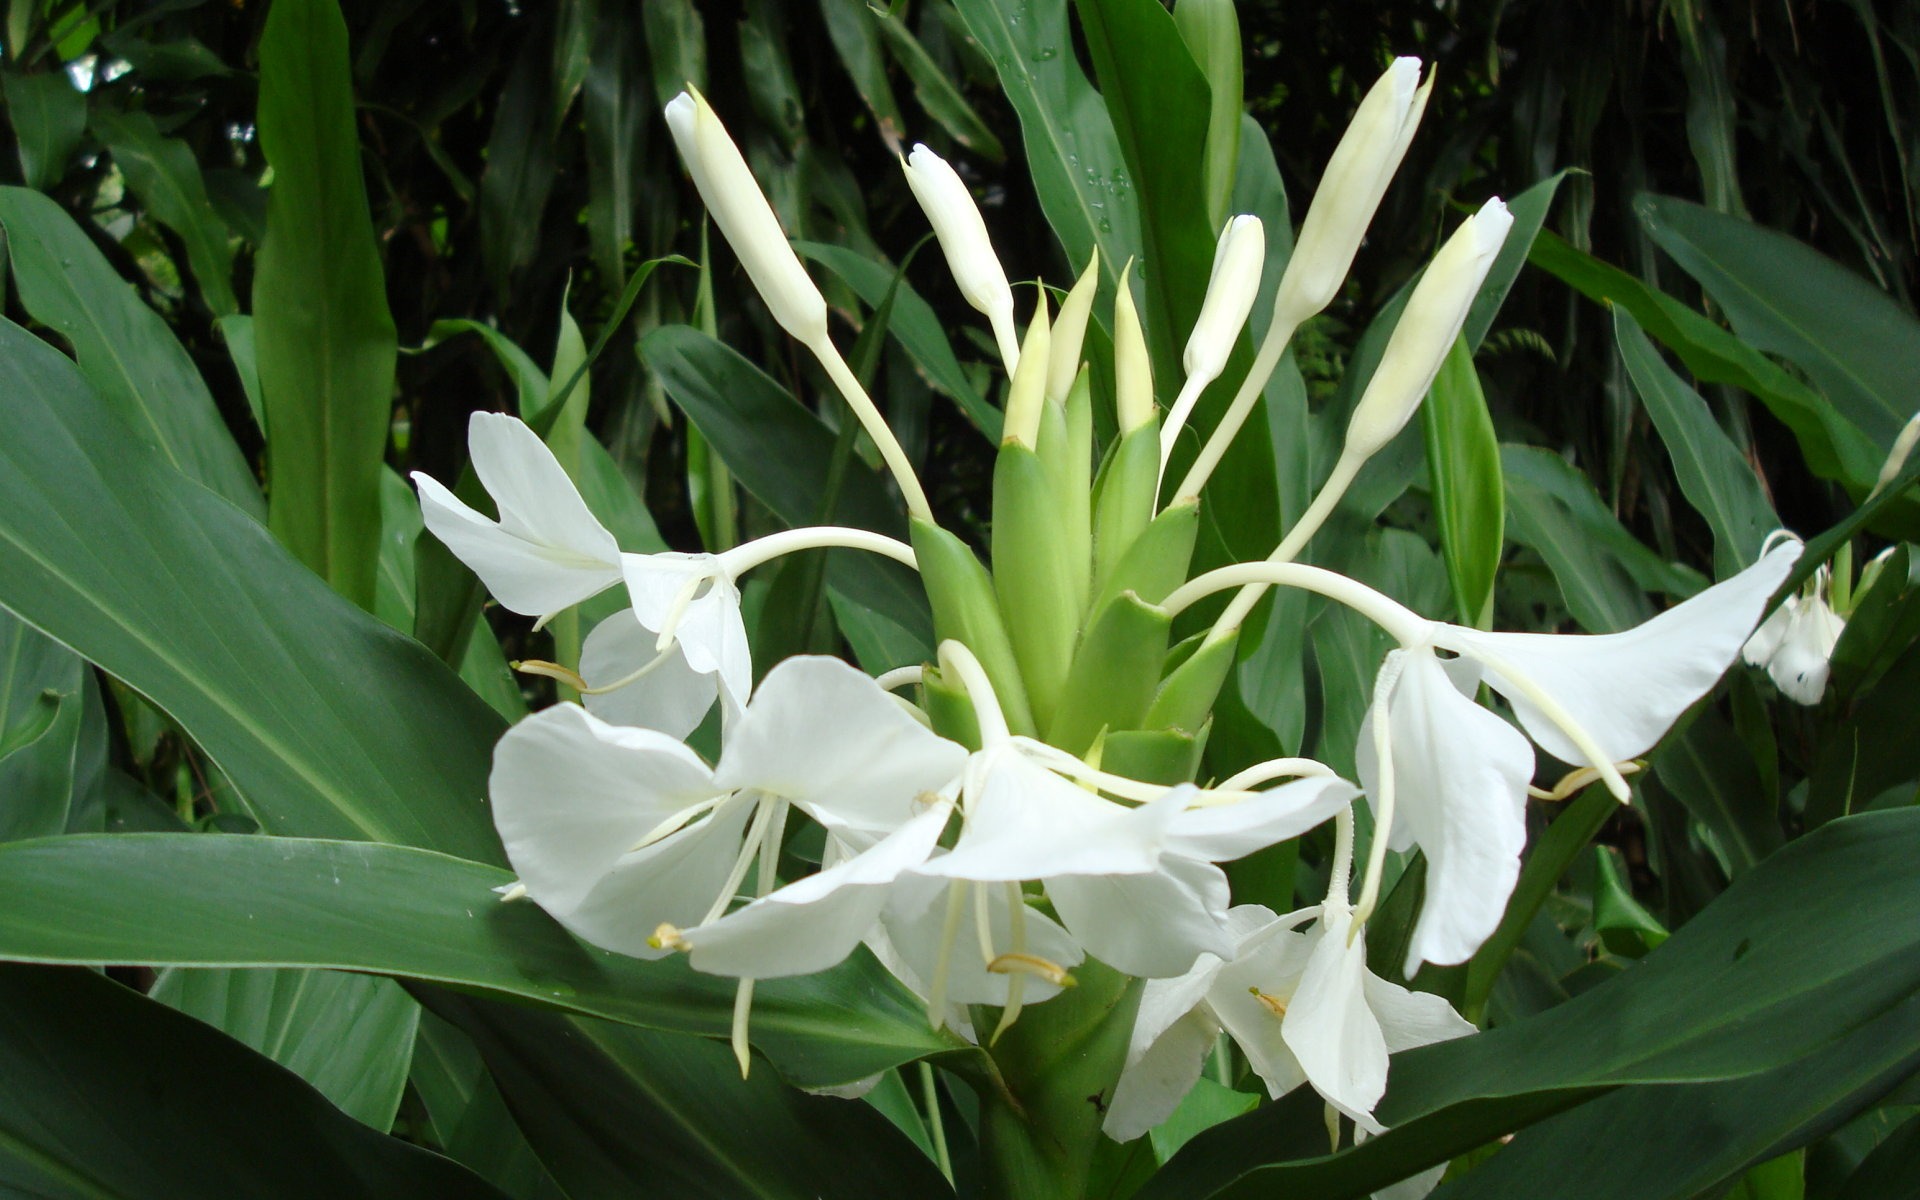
[813,923]
[673,697]
[826,737]
[915,922]
[1460,778]
[571,794]
[547,552]
[1627,689]
[1153,925]
[1224,832]
[1409,1019]
[1025,822]
[1155,1081]
[1272,969]
[673,881]
[1328,1025]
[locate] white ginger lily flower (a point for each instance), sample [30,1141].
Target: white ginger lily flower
[617,832]
[1458,773]
[1302,1006]
[1795,644]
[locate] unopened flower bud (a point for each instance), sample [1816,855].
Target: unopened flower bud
[1804,658]
[1237,261]
[1070,330]
[1427,327]
[1356,178]
[963,238]
[734,198]
[1026,394]
[1132,368]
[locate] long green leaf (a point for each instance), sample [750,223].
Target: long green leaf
[125,350]
[40,710]
[609,1107]
[171,900]
[163,173]
[321,327]
[350,1036]
[1678,1142]
[110,1096]
[1784,297]
[1714,476]
[1777,968]
[1463,465]
[328,722]
[48,115]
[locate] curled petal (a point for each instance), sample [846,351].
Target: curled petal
[1224,832]
[1153,925]
[672,698]
[1333,1034]
[1159,1077]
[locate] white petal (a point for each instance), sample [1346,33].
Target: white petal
[1804,658]
[572,794]
[547,552]
[1328,1025]
[673,881]
[1025,822]
[1154,1082]
[1152,925]
[1409,1019]
[813,923]
[1272,968]
[1460,776]
[1165,1001]
[1766,639]
[709,628]
[823,735]
[915,922]
[1223,832]
[1628,688]
[673,697]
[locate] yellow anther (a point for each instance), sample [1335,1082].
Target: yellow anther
[667,937]
[1033,964]
[1579,778]
[537,666]
[1271,1003]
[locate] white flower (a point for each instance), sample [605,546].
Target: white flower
[733,196]
[1796,642]
[963,237]
[1426,330]
[1301,1006]
[1459,773]
[618,831]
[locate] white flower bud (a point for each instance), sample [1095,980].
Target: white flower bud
[1426,329]
[734,198]
[1070,330]
[1356,178]
[963,237]
[1237,261]
[1132,367]
[1804,658]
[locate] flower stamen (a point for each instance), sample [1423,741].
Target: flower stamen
[1033,964]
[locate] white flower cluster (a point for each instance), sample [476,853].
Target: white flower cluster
[983,875]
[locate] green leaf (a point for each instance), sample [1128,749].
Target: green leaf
[163,173]
[324,336]
[1463,464]
[1211,30]
[521,164]
[608,1106]
[1834,447]
[1073,155]
[530,383]
[1711,773]
[48,115]
[124,348]
[1207,1105]
[40,710]
[350,1036]
[328,722]
[1601,568]
[780,452]
[913,323]
[1713,474]
[1778,967]
[615,102]
[1693,1140]
[468,1118]
[169,900]
[1529,210]
[937,94]
[1784,297]
[111,1095]
[855,33]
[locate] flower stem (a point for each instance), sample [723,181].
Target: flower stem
[1402,623]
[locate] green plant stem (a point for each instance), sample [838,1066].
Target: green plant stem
[936,1125]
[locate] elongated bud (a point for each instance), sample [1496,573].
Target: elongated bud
[1070,330]
[1027,393]
[1356,178]
[731,194]
[1426,329]
[1897,457]
[1132,369]
[1237,260]
[963,237]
